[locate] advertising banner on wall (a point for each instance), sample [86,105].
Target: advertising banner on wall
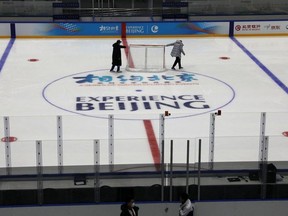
[67,29]
[75,29]
[177,28]
[5,30]
[261,28]
[114,29]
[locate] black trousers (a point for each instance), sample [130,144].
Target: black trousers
[177,61]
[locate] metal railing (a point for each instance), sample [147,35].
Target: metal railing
[92,154]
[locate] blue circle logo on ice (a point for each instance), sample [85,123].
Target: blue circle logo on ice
[96,93]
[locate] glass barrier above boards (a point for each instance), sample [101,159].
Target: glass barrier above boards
[148,8]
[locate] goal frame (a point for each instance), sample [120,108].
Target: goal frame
[145,68]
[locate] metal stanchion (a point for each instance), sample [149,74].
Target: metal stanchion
[171,172]
[162,170]
[211,140]
[111,142]
[39,172]
[161,141]
[264,169]
[60,144]
[263,154]
[187,166]
[199,169]
[96,170]
[7,145]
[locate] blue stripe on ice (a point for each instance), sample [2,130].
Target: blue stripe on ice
[263,67]
[6,53]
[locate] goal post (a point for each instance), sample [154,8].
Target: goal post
[146,58]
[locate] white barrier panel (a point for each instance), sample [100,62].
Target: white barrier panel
[4,30]
[261,28]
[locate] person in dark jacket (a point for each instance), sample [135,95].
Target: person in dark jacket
[176,52]
[129,208]
[116,56]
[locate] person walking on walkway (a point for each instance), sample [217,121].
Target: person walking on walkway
[186,207]
[129,208]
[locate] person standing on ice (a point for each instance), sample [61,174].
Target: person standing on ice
[176,52]
[116,56]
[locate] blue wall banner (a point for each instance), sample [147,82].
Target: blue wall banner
[67,29]
[177,28]
[114,29]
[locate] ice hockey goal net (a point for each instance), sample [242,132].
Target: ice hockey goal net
[146,58]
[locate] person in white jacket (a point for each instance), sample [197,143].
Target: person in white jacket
[176,52]
[186,207]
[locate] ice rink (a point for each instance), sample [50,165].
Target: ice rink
[41,79]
